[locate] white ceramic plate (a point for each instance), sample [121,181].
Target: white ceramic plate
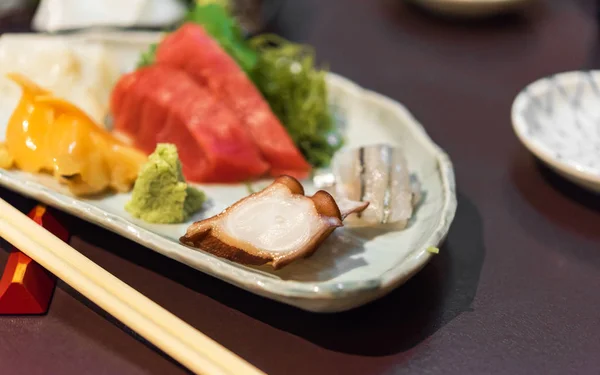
[558,119]
[351,268]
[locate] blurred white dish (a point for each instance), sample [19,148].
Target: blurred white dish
[56,15]
[472,8]
[558,119]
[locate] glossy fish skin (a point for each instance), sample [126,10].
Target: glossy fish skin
[191,49]
[159,104]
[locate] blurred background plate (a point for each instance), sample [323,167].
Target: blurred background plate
[558,119]
[472,8]
[256,15]
[68,15]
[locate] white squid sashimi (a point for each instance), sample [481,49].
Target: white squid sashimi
[81,73]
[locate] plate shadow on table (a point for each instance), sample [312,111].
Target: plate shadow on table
[578,194]
[118,348]
[528,173]
[554,210]
[407,316]
[81,326]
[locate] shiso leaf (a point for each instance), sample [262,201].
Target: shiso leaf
[224,28]
[148,57]
[220,25]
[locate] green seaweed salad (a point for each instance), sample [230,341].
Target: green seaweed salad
[283,71]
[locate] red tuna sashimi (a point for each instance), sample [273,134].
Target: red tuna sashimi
[158,104]
[190,48]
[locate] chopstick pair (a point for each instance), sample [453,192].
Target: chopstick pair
[178,339]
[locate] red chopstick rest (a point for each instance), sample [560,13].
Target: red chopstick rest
[40,215]
[26,287]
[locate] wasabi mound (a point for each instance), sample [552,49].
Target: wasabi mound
[160,193]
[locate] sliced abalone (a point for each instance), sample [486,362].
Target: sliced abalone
[276,225]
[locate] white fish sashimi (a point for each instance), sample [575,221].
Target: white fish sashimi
[375,180]
[401,192]
[347,171]
[377,174]
[81,73]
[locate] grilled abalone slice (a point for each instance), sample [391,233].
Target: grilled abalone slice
[277,225]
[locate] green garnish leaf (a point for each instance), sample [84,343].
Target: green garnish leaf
[225,4]
[249,188]
[214,17]
[297,93]
[433,250]
[223,27]
[147,57]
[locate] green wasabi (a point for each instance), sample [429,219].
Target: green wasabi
[160,193]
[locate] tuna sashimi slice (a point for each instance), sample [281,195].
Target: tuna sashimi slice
[191,49]
[158,104]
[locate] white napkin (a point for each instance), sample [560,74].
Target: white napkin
[56,15]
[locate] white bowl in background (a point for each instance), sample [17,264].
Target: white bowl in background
[558,119]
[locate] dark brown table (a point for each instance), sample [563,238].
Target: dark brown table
[513,291]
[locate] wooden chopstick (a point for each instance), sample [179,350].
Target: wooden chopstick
[127,294]
[185,344]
